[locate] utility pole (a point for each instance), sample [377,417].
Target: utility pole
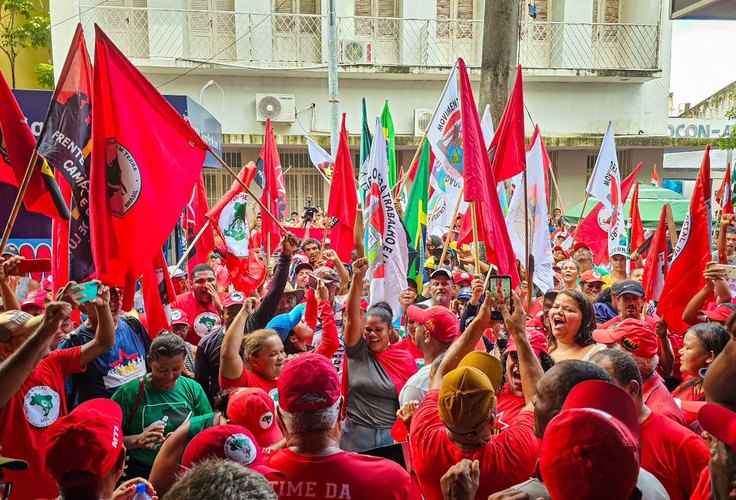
[332,80]
[498,61]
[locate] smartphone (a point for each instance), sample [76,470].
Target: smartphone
[26,266]
[729,270]
[500,288]
[312,282]
[88,290]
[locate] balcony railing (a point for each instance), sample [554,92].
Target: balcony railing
[188,37]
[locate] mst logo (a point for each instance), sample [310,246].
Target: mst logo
[123,178]
[41,406]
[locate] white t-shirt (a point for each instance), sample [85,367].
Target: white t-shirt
[416,387]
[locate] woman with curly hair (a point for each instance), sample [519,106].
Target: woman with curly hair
[572,322]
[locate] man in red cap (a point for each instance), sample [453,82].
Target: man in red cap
[674,454]
[583,255]
[436,328]
[591,282]
[203,305]
[35,302]
[461,280]
[639,339]
[309,414]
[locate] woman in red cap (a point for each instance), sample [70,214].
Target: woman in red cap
[572,321]
[701,345]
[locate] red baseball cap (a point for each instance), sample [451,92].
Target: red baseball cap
[720,422]
[85,445]
[591,276]
[721,313]
[439,321]
[590,453]
[579,245]
[228,442]
[38,298]
[462,277]
[608,398]
[536,338]
[252,408]
[634,335]
[234,298]
[308,373]
[179,317]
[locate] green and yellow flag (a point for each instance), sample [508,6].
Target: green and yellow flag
[415,218]
[388,132]
[365,151]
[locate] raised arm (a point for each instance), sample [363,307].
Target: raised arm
[270,302]
[529,366]
[666,354]
[340,268]
[10,301]
[330,342]
[726,220]
[105,332]
[231,364]
[358,232]
[166,465]
[353,326]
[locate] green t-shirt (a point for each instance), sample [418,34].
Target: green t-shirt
[200,423]
[173,407]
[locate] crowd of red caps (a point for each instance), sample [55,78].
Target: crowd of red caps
[579,391]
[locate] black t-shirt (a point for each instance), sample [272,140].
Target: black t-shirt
[207,362]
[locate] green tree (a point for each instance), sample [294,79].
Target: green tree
[729,141]
[21,29]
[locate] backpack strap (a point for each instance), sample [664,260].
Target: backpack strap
[138,401]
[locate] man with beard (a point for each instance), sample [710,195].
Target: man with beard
[203,305]
[629,297]
[312,248]
[440,288]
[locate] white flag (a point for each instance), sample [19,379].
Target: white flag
[486,124]
[385,238]
[605,185]
[321,160]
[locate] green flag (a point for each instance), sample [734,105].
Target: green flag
[415,218]
[388,132]
[365,148]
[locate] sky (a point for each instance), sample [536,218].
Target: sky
[703,59]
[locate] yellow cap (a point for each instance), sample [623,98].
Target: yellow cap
[487,363]
[467,399]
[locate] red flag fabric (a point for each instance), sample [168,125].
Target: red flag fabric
[591,230]
[16,148]
[195,217]
[691,254]
[508,147]
[229,217]
[274,191]
[60,243]
[158,294]
[636,234]
[146,160]
[655,177]
[655,268]
[546,160]
[724,196]
[480,183]
[343,199]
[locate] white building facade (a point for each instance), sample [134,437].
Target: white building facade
[585,62]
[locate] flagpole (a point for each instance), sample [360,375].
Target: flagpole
[191,245]
[416,155]
[475,238]
[247,189]
[672,229]
[526,244]
[452,222]
[18,200]
[582,215]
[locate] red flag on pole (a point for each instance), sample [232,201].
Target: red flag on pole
[636,233]
[655,178]
[691,254]
[480,183]
[724,196]
[158,295]
[229,217]
[60,243]
[195,217]
[594,232]
[274,191]
[16,148]
[508,147]
[655,268]
[146,160]
[343,198]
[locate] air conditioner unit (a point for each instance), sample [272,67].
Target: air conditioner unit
[356,52]
[277,107]
[422,117]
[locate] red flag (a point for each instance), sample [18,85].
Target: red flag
[636,234]
[655,178]
[60,243]
[274,191]
[343,199]
[158,294]
[480,183]
[546,160]
[194,218]
[691,254]
[724,196]
[16,148]
[591,230]
[508,147]
[229,217]
[146,160]
[655,268]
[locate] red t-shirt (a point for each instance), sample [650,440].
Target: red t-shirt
[673,454]
[508,407]
[508,459]
[408,345]
[250,379]
[658,399]
[203,318]
[702,490]
[688,395]
[25,417]
[342,475]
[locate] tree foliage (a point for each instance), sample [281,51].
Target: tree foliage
[21,29]
[729,141]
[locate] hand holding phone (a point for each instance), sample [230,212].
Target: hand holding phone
[87,291]
[500,289]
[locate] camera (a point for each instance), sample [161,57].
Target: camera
[309,212]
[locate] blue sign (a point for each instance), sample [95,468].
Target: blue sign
[206,125]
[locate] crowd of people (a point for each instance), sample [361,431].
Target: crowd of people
[307,388]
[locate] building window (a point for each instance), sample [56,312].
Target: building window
[383,13]
[605,11]
[450,14]
[234,159]
[128,26]
[288,24]
[212,29]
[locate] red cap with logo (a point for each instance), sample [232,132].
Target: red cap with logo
[228,442]
[85,445]
[439,321]
[579,245]
[720,422]
[38,298]
[252,408]
[721,313]
[234,298]
[591,276]
[308,373]
[462,277]
[179,317]
[536,338]
[634,335]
